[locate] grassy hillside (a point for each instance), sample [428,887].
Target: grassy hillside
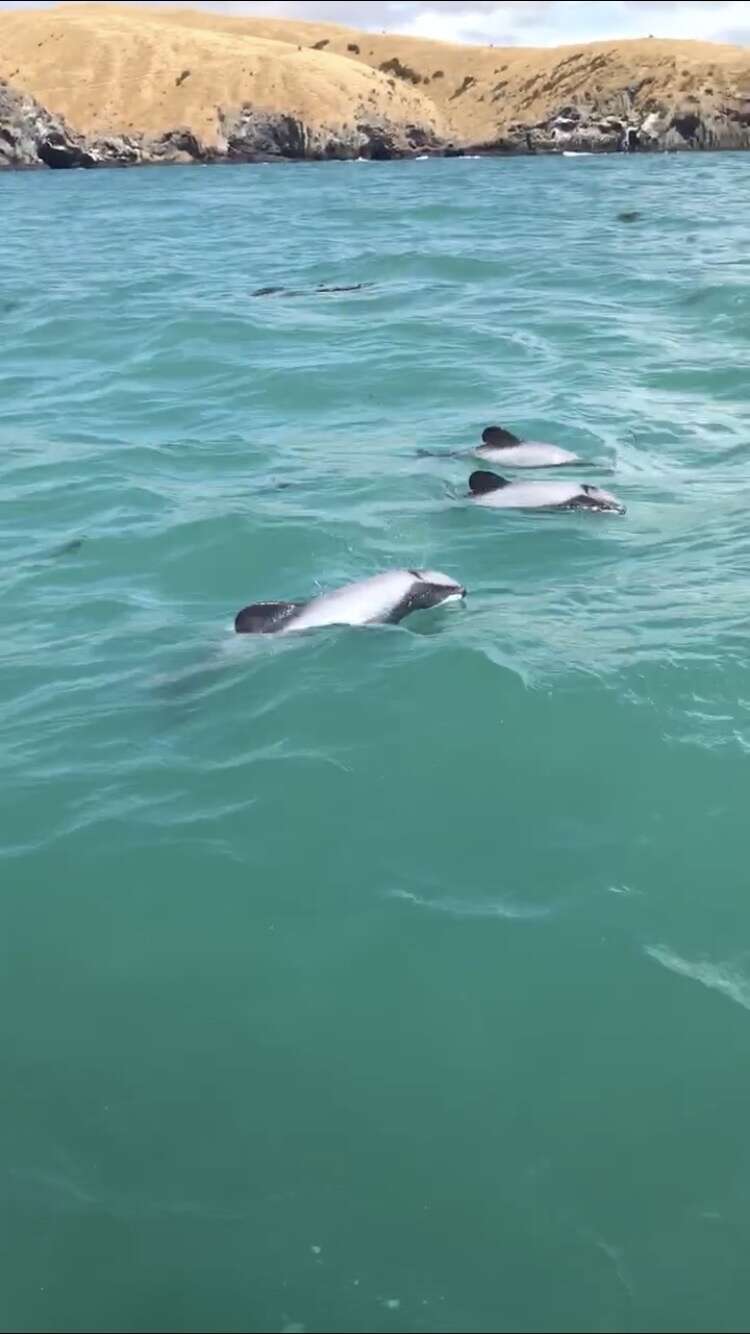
[116,69]
[109,69]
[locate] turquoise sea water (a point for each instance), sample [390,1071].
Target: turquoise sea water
[392,979]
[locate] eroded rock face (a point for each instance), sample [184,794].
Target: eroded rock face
[725,127]
[590,130]
[31,136]
[248,135]
[251,135]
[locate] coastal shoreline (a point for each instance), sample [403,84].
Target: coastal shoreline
[94,85]
[33,138]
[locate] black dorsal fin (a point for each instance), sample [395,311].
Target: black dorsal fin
[499,438]
[262,618]
[480,483]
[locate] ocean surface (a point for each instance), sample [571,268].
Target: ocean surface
[393,979]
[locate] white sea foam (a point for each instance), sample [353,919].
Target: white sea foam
[456,907]
[723,977]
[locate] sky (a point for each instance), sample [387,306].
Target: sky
[514,22]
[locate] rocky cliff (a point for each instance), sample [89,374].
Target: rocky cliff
[92,85]
[31,136]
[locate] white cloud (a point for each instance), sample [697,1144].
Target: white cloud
[514,22]
[546,24]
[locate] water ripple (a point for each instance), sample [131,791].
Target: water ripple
[212,1008]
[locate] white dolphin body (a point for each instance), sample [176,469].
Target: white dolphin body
[495,492]
[501,446]
[384,598]
[527,454]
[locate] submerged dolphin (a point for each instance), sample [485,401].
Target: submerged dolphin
[385,598]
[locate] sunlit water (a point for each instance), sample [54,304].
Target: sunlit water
[391,979]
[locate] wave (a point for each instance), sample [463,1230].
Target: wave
[722,977]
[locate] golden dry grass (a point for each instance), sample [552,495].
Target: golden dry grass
[114,68]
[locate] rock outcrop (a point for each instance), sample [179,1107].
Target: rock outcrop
[581,130]
[30,136]
[251,135]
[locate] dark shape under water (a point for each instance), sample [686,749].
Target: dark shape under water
[629,215]
[352,287]
[321,287]
[68,548]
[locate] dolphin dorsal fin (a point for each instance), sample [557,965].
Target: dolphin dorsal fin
[480,483]
[262,618]
[499,438]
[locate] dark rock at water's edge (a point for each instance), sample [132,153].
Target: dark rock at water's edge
[252,135]
[660,129]
[31,136]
